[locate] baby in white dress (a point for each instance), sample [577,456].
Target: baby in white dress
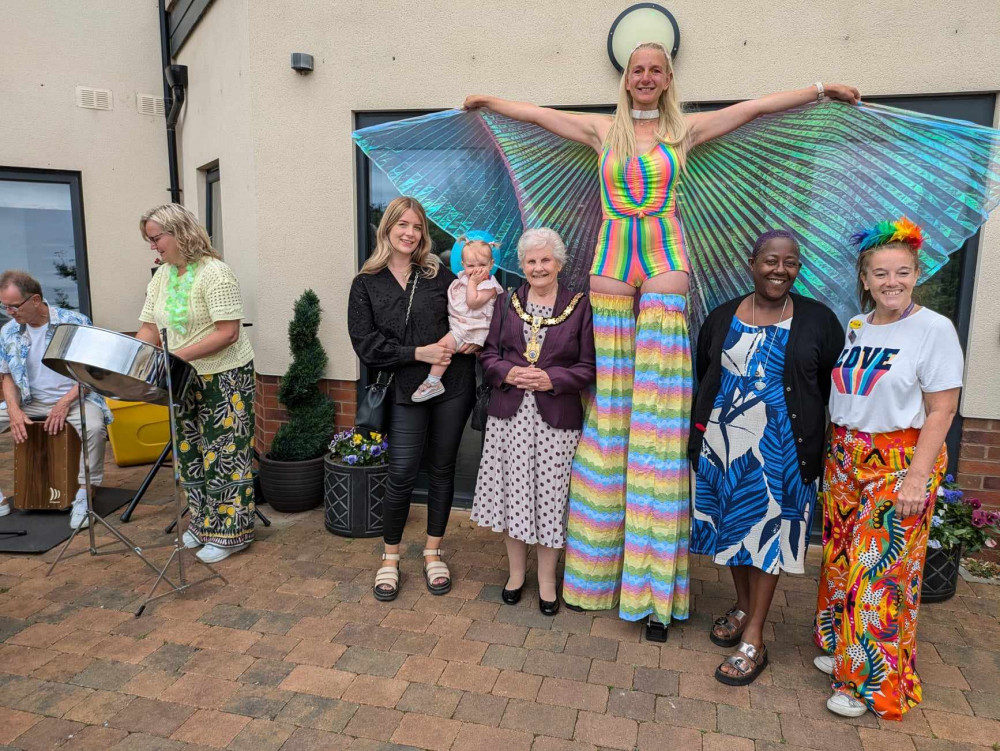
[471,298]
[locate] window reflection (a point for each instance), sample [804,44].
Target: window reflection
[37,236]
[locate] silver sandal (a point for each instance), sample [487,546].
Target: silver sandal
[748,661]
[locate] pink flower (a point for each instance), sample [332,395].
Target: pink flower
[974,502]
[979,519]
[990,542]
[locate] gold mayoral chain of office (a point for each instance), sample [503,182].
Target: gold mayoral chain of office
[534,349]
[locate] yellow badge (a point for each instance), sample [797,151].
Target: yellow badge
[856,324]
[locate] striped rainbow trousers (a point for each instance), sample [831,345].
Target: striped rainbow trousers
[628,523]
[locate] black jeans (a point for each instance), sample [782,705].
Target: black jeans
[439,427]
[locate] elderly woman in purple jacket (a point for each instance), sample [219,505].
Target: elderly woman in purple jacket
[539,358]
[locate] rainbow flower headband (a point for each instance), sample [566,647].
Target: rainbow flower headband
[883,233]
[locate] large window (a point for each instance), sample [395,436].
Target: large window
[41,232]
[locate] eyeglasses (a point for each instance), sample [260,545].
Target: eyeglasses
[156,238]
[15,308]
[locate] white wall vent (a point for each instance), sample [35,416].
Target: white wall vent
[93,99]
[149,104]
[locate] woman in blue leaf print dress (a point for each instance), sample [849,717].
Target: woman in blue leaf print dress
[758,427]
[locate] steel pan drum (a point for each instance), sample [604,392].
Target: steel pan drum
[115,365]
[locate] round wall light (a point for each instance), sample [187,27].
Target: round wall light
[642,22]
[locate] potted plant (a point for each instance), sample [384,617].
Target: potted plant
[291,473]
[959,526]
[357,474]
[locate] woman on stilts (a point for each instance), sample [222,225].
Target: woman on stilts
[628,521]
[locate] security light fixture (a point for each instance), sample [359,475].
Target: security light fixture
[642,22]
[302,62]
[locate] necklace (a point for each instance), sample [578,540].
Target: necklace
[906,311]
[645,114]
[178,300]
[533,350]
[761,383]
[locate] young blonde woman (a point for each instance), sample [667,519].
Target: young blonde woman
[629,498]
[396,316]
[196,298]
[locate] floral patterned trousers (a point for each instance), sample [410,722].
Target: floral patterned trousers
[215,435]
[873,560]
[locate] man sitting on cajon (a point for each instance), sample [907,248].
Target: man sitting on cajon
[32,390]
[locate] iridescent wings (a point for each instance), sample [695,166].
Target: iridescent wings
[821,171]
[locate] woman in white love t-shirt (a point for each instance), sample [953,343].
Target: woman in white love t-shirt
[895,392]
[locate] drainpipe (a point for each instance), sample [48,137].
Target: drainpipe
[174,81]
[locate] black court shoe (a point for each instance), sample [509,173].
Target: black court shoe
[511,596]
[548,607]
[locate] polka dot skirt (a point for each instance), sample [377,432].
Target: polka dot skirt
[523,483]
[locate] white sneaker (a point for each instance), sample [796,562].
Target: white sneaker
[215,553]
[79,519]
[189,541]
[824,663]
[4,507]
[846,706]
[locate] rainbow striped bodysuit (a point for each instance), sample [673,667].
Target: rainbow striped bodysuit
[641,235]
[628,523]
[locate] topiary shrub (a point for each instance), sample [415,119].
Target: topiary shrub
[310,424]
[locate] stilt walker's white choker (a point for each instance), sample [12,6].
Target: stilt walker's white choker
[645,114]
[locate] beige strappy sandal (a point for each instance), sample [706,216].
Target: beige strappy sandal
[387,579]
[436,570]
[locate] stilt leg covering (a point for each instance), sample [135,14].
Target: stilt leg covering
[595,534]
[657,513]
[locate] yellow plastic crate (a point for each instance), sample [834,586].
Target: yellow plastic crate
[139,432]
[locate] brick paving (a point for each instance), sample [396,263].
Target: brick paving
[295,653]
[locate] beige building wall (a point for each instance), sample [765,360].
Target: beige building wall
[216,128]
[49,48]
[396,55]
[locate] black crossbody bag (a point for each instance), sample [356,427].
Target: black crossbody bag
[374,409]
[484,390]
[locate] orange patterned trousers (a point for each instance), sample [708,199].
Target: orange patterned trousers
[873,560]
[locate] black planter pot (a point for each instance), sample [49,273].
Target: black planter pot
[292,486]
[352,498]
[940,574]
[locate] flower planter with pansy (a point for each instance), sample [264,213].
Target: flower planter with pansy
[960,526]
[356,478]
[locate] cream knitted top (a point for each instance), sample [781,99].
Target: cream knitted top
[215,296]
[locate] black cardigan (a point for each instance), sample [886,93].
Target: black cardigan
[814,344]
[376,312]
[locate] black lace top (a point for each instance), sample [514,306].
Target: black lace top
[376,313]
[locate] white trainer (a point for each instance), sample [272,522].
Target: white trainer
[189,541]
[215,553]
[79,519]
[846,706]
[824,663]
[4,507]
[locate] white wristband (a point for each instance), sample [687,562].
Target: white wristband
[819,91]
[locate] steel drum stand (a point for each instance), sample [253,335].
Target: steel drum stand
[179,507]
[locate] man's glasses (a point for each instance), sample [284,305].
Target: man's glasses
[15,308]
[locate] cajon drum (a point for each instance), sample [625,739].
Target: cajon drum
[46,468]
